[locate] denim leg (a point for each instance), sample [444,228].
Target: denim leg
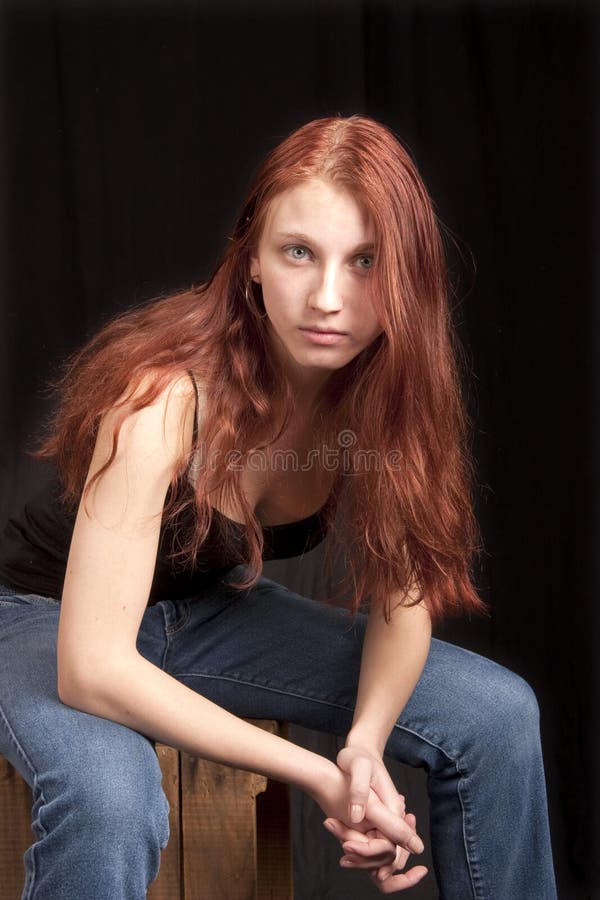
[471,723]
[474,726]
[100,817]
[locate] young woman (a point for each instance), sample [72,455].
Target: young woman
[313,375]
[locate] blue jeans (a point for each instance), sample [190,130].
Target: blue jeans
[100,816]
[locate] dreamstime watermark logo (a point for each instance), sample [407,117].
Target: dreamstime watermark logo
[346,457]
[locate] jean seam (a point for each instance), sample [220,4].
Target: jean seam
[468,841]
[40,832]
[180,623]
[265,687]
[171,631]
[462,792]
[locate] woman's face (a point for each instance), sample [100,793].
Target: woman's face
[313,261]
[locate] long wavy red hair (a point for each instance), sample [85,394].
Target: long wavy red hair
[405,527]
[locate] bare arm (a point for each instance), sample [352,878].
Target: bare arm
[106,590]
[107,584]
[394,654]
[393,657]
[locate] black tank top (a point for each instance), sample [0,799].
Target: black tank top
[35,545]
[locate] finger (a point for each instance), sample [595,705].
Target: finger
[411,820]
[384,787]
[377,847]
[360,771]
[373,847]
[401,855]
[343,832]
[377,852]
[372,862]
[397,829]
[400,882]
[395,866]
[379,780]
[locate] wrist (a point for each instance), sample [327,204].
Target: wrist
[366,739]
[318,778]
[327,781]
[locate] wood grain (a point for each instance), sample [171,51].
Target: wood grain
[15,829]
[169,884]
[229,829]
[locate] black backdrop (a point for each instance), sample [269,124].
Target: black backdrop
[129,132]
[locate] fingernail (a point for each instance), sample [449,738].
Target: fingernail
[347,863]
[415,845]
[330,826]
[356,813]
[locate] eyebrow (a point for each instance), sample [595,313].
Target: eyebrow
[304,239]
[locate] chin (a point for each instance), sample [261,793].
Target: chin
[329,366]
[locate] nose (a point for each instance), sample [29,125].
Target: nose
[326,294]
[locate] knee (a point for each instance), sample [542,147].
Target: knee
[130,804]
[507,715]
[117,798]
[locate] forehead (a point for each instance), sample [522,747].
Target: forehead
[319,207]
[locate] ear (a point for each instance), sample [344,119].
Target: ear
[255,269]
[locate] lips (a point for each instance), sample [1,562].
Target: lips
[325,338]
[322,330]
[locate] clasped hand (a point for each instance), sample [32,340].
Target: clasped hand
[368,816]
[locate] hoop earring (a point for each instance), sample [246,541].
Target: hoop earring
[251,302]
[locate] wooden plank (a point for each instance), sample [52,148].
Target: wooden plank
[273,837]
[215,849]
[15,828]
[274,847]
[218,830]
[168,885]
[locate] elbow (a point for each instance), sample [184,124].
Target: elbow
[84,687]
[72,689]
[92,686]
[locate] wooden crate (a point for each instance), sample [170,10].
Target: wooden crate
[229,839]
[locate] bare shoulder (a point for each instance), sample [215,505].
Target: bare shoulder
[183,386]
[152,423]
[177,386]
[174,394]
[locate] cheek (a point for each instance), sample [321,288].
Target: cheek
[372,325]
[279,292]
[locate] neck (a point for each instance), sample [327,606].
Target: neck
[306,384]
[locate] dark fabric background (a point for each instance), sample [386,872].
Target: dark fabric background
[129,133]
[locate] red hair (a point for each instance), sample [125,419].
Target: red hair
[408,519]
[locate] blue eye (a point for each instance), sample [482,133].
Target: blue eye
[365,261]
[297,252]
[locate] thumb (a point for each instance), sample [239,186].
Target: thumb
[360,771]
